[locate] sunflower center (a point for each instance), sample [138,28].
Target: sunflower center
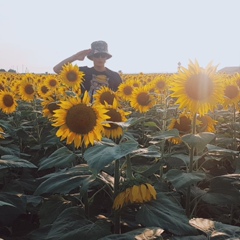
[128,90]
[184,125]
[44,89]
[160,85]
[199,87]
[143,99]
[231,92]
[107,97]
[71,76]
[81,119]
[29,89]
[53,106]
[8,100]
[52,82]
[114,117]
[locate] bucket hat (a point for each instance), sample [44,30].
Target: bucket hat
[99,47]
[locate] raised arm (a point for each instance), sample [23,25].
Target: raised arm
[78,56]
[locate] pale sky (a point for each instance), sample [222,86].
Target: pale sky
[149,36]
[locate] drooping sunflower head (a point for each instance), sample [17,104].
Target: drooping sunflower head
[142,100]
[231,93]
[72,76]
[206,124]
[8,103]
[198,90]
[183,124]
[104,95]
[79,122]
[2,133]
[138,194]
[49,105]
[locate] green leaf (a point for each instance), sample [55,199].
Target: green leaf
[199,140]
[10,161]
[62,157]
[166,134]
[166,214]
[152,152]
[137,234]
[77,226]
[64,181]
[213,148]
[54,205]
[181,180]
[11,206]
[223,190]
[99,156]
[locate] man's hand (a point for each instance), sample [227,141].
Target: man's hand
[82,54]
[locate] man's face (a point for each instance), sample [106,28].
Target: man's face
[99,59]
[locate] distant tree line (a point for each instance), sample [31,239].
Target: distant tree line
[10,70]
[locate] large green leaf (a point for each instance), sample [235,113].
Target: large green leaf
[63,181]
[166,134]
[99,156]
[54,205]
[223,190]
[71,224]
[11,206]
[62,157]
[138,234]
[166,214]
[150,152]
[199,140]
[10,161]
[180,180]
[213,148]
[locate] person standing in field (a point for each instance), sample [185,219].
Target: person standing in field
[98,75]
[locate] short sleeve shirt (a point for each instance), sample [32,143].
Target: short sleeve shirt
[94,80]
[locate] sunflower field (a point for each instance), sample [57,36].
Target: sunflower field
[157,159]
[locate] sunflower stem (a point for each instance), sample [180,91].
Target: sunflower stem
[234,129]
[192,149]
[129,173]
[117,228]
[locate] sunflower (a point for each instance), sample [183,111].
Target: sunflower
[1,133]
[27,90]
[183,124]
[115,115]
[52,81]
[231,93]
[43,90]
[135,194]
[79,122]
[196,89]
[49,106]
[125,90]
[160,83]
[72,76]
[8,103]
[141,100]
[104,95]
[236,78]
[207,124]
